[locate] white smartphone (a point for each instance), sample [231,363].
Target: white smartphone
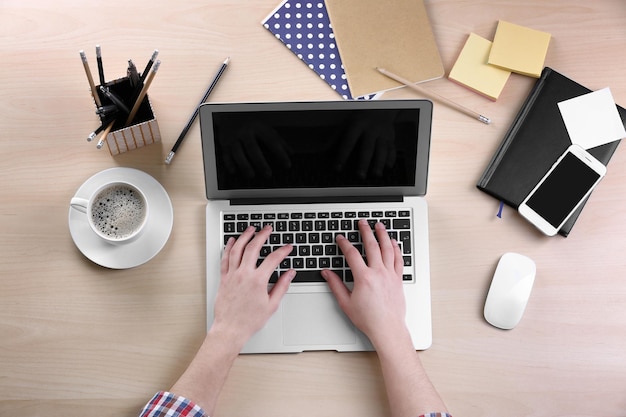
[559,193]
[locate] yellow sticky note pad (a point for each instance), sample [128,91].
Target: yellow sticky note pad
[519,49]
[472,70]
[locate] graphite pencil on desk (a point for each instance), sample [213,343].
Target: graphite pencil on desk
[182,135]
[442,99]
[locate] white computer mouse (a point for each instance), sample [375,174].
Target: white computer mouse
[509,291]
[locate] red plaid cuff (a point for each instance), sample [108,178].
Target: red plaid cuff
[166,404]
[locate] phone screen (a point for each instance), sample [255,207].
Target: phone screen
[561,191]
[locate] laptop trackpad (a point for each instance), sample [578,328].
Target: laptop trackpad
[315,319]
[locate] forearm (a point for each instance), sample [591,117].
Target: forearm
[409,390]
[203,380]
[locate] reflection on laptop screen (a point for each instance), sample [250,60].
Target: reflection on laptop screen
[285,149]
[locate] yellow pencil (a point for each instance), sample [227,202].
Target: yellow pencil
[448,102]
[105,133]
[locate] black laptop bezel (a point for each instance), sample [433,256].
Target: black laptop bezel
[314,194]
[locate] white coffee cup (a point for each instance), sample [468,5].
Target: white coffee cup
[117,211]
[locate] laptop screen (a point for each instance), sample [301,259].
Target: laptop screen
[317,148]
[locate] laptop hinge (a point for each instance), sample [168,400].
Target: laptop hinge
[317,200]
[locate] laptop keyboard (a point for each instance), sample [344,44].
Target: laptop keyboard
[313,233]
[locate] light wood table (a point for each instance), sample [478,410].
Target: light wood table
[77,339]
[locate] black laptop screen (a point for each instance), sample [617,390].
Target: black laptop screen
[286,149]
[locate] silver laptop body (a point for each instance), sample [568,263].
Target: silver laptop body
[312,169]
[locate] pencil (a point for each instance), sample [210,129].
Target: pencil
[143,93]
[94,93]
[436,96]
[104,135]
[100,66]
[95,133]
[151,62]
[182,135]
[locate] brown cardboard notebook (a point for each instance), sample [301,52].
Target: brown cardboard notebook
[395,35]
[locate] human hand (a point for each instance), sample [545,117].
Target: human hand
[373,142]
[248,146]
[376,304]
[243,304]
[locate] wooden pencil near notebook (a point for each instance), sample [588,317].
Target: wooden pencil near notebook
[441,99]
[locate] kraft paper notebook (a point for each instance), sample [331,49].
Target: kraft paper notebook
[394,35]
[304,28]
[471,69]
[535,140]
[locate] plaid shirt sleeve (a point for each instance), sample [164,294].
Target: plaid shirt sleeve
[166,404]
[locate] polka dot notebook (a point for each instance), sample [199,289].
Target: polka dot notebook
[305,29]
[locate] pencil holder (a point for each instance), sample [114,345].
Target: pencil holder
[144,129]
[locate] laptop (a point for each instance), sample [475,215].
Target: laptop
[312,170]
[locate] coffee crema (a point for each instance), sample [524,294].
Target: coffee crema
[117,212]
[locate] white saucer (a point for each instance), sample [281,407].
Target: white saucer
[143,248]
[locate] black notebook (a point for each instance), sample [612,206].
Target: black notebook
[535,141]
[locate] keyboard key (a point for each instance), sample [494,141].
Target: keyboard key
[281,226]
[298,263]
[401,223]
[405,238]
[314,238]
[308,276]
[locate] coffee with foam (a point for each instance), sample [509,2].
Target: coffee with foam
[118,211]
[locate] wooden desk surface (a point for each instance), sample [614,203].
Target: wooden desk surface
[79,340]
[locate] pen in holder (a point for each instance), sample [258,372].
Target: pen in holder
[143,129]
